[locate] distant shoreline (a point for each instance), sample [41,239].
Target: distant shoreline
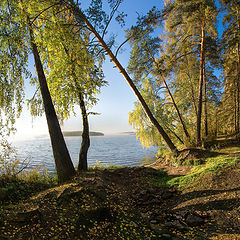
[128,133]
[79,133]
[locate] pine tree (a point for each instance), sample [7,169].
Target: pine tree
[231,64]
[200,17]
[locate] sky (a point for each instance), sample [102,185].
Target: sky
[115,101]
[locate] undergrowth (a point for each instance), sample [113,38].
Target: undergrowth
[16,181]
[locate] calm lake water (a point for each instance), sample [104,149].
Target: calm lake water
[122,150]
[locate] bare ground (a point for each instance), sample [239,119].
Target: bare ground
[125,204]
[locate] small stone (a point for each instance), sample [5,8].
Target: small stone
[183,213]
[174,224]
[156,227]
[194,220]
[153,221]
[144,215]
[143,192]
[166,235]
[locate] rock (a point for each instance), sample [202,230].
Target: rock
[166,235]
[153,221]
[194,220]
[143,192]
[144,215]
[156,227]
[175,224]
[183,213]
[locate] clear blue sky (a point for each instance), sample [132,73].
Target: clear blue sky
[116,100]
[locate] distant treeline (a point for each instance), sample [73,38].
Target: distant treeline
[79,133]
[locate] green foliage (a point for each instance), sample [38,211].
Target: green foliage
[13,63]
[229,109]
[212,166]
[70,61]
[166,68]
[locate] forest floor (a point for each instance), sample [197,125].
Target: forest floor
[163,201]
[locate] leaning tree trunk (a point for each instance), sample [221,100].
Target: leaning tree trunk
[178,112]
[64,166]
[200,90]
[81,17]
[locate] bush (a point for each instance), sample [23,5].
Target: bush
[16,181]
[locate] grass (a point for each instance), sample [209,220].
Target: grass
[160,179]
[212,166]
[101,166]
[15,187]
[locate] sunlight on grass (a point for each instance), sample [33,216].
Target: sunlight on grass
[99,166]
[212,166]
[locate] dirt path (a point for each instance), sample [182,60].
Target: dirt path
[171,168]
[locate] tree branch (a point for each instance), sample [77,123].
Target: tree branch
[122,45]
[111,16]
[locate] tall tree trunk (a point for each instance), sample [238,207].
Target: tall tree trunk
[205,103]
[216,123]
[238,75]
[177,109]
[200,90]
[235,105]
[81,17]
[82,164]
[64,166]
[237,108]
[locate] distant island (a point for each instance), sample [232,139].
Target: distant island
[79,133]
[129,133]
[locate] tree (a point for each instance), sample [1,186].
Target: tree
[13,66]
[231,64]
[200,17]
[145,61]
[82,19]
[64,166]
[73,76]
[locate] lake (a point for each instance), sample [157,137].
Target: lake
[122,150]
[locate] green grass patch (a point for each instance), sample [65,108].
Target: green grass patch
[100,166]
[212,166]
[160,179]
